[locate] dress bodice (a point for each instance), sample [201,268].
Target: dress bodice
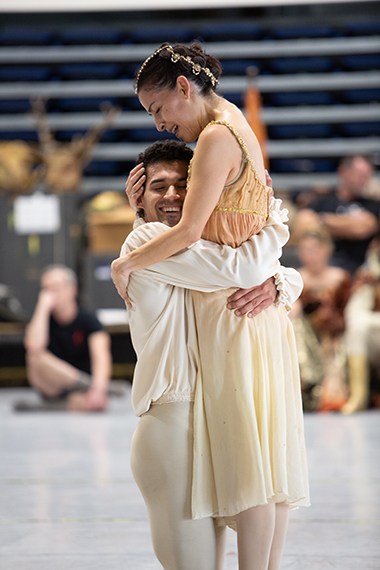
[243,206]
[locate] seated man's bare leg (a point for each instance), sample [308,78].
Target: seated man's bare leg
[51,375]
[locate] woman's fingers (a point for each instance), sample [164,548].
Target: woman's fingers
[127,299]
[134,185]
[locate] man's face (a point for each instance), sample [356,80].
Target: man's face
[165,192]
[357,176]
[55,282]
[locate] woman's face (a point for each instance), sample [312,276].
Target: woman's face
[313,254]
[173,111]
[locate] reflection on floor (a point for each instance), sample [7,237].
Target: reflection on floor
[68,500]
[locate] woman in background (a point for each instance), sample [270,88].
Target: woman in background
[318,318]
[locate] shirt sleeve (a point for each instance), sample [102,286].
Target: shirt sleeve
[207,266]
[91,322]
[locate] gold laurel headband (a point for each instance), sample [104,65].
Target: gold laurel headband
[196,68]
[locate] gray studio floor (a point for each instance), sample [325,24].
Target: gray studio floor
[68,500]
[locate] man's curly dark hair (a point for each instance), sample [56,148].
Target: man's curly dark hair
[168,151]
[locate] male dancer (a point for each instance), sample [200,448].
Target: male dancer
[164,336]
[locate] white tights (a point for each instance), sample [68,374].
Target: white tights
[261,535]
[161,460]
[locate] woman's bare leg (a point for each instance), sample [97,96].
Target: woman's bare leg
[255,530]
[281,526]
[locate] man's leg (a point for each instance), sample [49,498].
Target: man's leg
[51,376]
[161,459]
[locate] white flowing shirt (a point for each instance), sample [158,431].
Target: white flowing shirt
[161,319]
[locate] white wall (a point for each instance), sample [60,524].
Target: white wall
[98,5]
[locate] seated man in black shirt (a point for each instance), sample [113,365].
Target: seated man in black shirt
[68,354]
[351,219]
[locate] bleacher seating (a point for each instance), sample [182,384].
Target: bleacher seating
[149,135]
[361,129]
[25,36]
[102,168]
[83,103]
[24,73]
[14,106]
[318,130]
[304,165]
[361,61]
[230,31]
[89,71]
[301,64]
[362,95]
[238,66]
[368,28]
[18,135]
[307,73]
[295,32]
[86,36]
[302,98]
[161,34]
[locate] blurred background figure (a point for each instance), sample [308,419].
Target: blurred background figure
[318,319]
[363,335]
[351,219]
[67,353]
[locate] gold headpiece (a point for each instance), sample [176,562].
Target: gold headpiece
[196,68]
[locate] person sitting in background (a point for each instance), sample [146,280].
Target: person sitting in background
[319,323]
[351,219]
[68,354]
[363,334]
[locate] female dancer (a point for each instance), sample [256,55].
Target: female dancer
[249,456]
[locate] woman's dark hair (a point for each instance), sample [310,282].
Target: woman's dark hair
[161,69]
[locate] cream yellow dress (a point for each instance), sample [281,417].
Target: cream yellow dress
[249,444]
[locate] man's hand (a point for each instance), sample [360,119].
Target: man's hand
[46,300]
[253,301]
[96,399]
[268,182]
[134,185]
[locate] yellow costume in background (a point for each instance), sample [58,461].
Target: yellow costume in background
[249,445]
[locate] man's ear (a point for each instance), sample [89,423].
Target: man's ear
[140,200]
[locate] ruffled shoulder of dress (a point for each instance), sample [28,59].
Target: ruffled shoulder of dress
[275,206]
